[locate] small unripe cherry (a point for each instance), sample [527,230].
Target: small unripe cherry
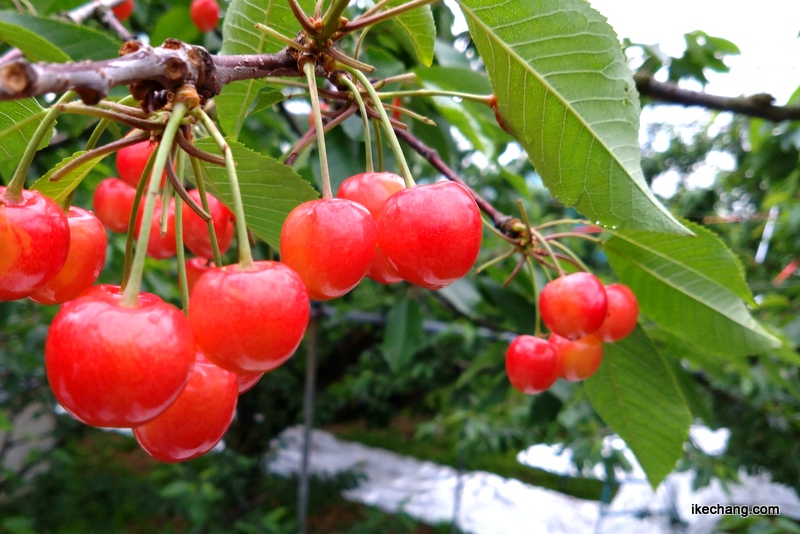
[580,358]
[573,306]
[622,315]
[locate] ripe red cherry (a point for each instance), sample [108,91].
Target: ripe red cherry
[430,234]
[330,244]
[114,366]
[193,424]
[34,243]
[574,305]
[249,321]
[160,247]
[195,229]
[623,312]
[87,254]
[195,268]
[248,381]
[124,10]
[132,160]
[113,203]
[205,14]
[532,364]
[371,189]
[581,358]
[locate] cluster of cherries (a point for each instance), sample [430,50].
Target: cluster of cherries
[121,360]
[581,315]
[204,13]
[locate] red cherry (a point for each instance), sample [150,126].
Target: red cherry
[532,364]
[195,268]
[622,315]
[205,14]
[113,203]
[160,247]
[574,305]
[249,321]
[581,357]
[87,255]
[114,366]
[430,234]
[195,229]
[132,160]
[124,10]
[371,189]
[330,244]
[248,381]
[193,424]
[34,243]
[397,102]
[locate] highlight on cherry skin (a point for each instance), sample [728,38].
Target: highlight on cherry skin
[34,239]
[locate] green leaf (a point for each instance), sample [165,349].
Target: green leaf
[267,97]
[239,36]
[692,287]
[61,189]
[635,393]
[491,358]
[34,47]
[18,122]
[420,29]
[270,189]
[76,42]
[5,423]
[567,95]
[403,336]
[173,24]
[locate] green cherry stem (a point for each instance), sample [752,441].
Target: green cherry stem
[245,253]
[129,238]
[387,125]
[537,329]
[17,182]
[539,237]
[578,235]
[309,70]
[179,252]
[364,119]
[376,17]
[332,17]
[482,99]
[559,222]
[130,296]
[498,259]
[282,38]
[378,144]
[197,168]
[301,17]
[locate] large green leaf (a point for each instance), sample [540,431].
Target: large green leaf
[172,24]
[420,29]
[239,36]
[34,47]
[76,42]
[404,335]
[636,394]
[61,189]
[691,287]
[566,93]
[270,189]
[18,121]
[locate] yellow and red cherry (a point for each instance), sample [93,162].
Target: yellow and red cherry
[532,364]
[113,203]
[195,229]
[573,306]
[622,315]
[580,358]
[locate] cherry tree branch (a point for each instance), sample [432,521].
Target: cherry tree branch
[759,105]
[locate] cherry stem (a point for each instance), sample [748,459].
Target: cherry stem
[559,222]
[498,233]
[103,124]
[387,126]
[374,9]
[130,296]
[245,254]
[193,151]
[561,235]
[96,153]
[17,182]
[349,61]
[310,70]
[537,328]
[332,18]
[482,99]
[133,122]
[364,119]
[375,18]
[137,200]
[179,252]
[514,273]
[177,186]
[405,111]
[201,188]
[575,260]
[533,233]
[360,41]
[378,144]
[310,135]
[495,260]
[282,38]
[301,17]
